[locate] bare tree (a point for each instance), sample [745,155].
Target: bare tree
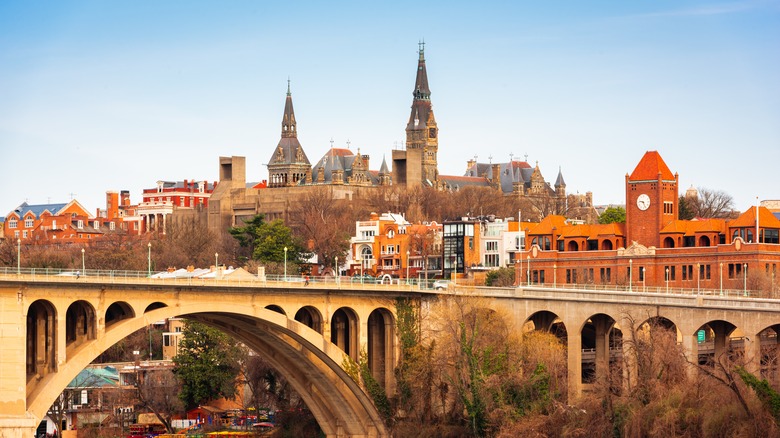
[711,204]
[323,224]
[157,391]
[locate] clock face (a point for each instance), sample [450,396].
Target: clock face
[643,202]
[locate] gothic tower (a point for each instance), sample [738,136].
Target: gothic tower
[288,165]
[419,163]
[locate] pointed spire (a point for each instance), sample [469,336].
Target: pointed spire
[383,170]
[421,90]
[559,182]
[289,126]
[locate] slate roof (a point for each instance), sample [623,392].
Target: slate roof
[649,167]
[511,172]
[338,159]
[38,209]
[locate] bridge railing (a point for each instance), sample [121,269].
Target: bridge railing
[357,283]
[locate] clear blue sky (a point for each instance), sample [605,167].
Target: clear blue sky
[98,96]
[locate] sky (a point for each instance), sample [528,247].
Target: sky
[98,96]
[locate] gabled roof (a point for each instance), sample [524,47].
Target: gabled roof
[748,219]
[649,167]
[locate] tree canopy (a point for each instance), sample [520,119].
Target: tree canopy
[613,215]
[207,364]
[267,240]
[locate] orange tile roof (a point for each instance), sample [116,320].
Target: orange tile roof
[547,224]
[649,167]
[592,231]
[748,219]
[690,228]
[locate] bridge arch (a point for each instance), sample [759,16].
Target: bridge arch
[310,317]
[381,346]
[118,311]
[80,324]
[41,337]
[343,331]
[296,351]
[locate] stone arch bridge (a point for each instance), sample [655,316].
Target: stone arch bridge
[52,327]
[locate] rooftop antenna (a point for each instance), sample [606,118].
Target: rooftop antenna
[72,195]
[490,159]
[511,156]
[331,142]
[526,157]
[348,143]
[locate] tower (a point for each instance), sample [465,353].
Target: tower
[288,165]
[651,200]
[418,164]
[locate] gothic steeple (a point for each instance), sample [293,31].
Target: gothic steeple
[289,127]
[422,141]
[289,165]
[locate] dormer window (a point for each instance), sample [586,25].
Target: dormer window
[28,223]
[390,234]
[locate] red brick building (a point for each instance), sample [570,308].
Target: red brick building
[653,248]
[159,202]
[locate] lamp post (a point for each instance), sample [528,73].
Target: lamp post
[555,275]
[455,268]
[721,278]
[630,275]
[667,280]
[216,260]
[644,278]
[336,270]
[149,260]
[18,256]
[744,276]
[528,270]
[285,263]
[407,267]
[83,268]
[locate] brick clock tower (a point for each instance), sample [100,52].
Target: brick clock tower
[651,200]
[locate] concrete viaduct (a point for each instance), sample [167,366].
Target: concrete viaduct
[52,327]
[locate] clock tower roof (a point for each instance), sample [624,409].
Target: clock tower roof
[649,167]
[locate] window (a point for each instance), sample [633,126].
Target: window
[80,224]
[491,246]
[16,234]
[735,270]
[24,234]
[606,275]
[12,223]
[641,273]
[390,234]
[687,272]
[571,276]
[491,260]
[689,241]
[111,226]
[771,236]
[96,224]
[28,223]
[669,273]
[668,207]
[593,245]
[588,273]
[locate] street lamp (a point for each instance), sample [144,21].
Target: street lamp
[83,269]
[285,263]
[149,260]
[667,280]
[18,256]
[528,272]
[630,276]
[744,281]
[555,275]
[336,269]
[407,267]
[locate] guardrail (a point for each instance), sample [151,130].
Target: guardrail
[364,283]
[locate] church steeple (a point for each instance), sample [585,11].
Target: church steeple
[422,142]
[289,165]
[289,126]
